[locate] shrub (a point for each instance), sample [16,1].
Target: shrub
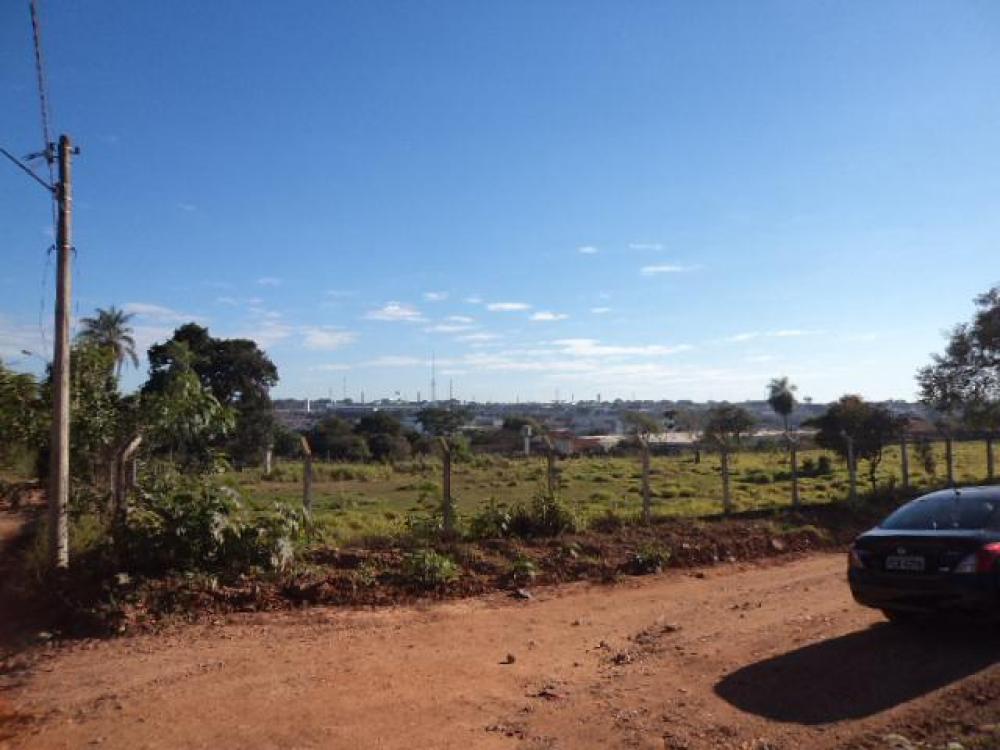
[824,465]
[546,516]
[491,522]
[522,571]
[429,569]
[191,525]
[650,558]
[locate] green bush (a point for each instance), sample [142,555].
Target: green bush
[491,522]
[522,571]
[650,558]
[546,516]
[188,525]
[429,569]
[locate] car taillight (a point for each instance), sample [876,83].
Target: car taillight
[982,561]
[854,559]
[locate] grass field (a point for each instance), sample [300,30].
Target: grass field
[357,500]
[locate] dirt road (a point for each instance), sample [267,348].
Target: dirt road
[770,656]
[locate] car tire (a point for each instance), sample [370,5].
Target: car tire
[900,617]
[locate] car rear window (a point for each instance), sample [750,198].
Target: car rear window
[951,510]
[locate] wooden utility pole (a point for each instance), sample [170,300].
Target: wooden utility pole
[58,496]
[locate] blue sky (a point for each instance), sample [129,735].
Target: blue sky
[665,199]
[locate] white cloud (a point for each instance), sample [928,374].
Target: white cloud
[15,338]
[780,334]
[653,246]
[507,306]
[267,333]
[545,315]
[600,310]
[478,337]
[226,301]
[587,250]
[448,328]
[665,268]
[327,338]
[474,300]
[396,311]
[391,360]
[435,296]
[269,281]
[158,313]
[461,319]
[189,207]
[592,348]
[332,367]
[341,293]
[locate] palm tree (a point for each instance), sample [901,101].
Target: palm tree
[110,329]
[781,397]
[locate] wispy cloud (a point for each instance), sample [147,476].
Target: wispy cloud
[158,313]
[665,268]
[600,310]
[188,207]
[435,296]
[474,299]
[327,338]
[779,334]
[396,312]
[449,328]
[331,367]
[593,348]
[478,337]
[546,315]
[507,306]
[227,301]
[269,281]
[460,319]
[15,338]
[588,250]
[391,360]
[341,293]
[648,246]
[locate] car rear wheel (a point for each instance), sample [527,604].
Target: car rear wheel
[900,617]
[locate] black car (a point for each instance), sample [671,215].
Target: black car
[937,553]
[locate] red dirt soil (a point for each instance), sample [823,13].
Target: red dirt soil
[751,656]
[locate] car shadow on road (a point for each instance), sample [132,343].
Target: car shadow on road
[861,673]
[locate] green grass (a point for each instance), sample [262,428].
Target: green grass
[351,501]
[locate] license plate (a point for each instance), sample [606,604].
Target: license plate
[904,562]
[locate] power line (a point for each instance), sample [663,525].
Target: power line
[43,96]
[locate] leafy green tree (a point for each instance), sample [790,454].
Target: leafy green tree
[23,420]
[963,383]
[857,430]
[333,439]
[184,418]
[781,397]
[388,448]
[441,422]
[378,423]
[236,372]
[725,428]
[110,329]
[287,443]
